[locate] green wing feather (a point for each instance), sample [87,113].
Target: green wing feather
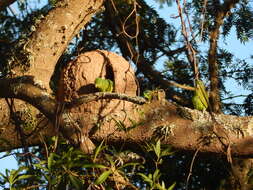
[104,85]
[200,99]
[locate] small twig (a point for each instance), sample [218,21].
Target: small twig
[188,20]
[114,6]
[134,11]
[134,54]
[33,187]
[105,95]
[6,155]
[29,154]
[59,110]
[182,86]
[191,54]
[203,20]
[13,12]
[191,166]
[45,144]
[237,96]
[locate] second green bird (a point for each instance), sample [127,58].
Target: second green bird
[200,98]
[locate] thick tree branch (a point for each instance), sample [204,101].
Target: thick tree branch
[26,88]
[171,52]
[54,33]
[105,95]
[158,119]
[5,3]
[170,123]
[191,54]
[222,11]
[29,90]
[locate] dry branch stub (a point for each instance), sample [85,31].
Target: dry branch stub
[78,78]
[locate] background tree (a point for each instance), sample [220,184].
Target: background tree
[38,41]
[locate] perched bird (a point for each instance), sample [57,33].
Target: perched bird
[104,85]
[200,99]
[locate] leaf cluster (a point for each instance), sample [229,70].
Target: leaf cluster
[105,168]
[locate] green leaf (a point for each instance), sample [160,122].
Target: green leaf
[4,177]
[166,152]
[50,160]
[134,124]
[129,164]
[160,187]
[76,182]
[42,166]
[98,150]
[120,125]
[172,186]
[146,178]
[7,172]
[103,177]
[163,185]
[23,177]
[14,174]
[92,165]
[110,159]
[158,148]
[156,175]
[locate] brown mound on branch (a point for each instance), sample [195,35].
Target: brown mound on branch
[78,77]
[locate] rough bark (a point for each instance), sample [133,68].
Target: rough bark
[43,49]
[46,45]
[182,128]
[157,119]
[53,34]
[221,12]
[31,93]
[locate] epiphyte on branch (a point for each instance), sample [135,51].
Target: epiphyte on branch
[157,94]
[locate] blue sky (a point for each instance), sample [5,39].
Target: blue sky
[240,50]
[231,43]
[7,162]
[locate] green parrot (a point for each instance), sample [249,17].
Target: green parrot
[200,98]
[104,85]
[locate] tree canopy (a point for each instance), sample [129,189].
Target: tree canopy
[170,119]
